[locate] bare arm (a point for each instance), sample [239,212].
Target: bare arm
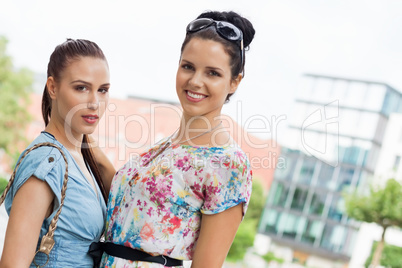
[216,237]
[31,205]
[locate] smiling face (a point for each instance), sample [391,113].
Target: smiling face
[80,96]
[204,78]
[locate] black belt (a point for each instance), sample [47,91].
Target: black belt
[97,248]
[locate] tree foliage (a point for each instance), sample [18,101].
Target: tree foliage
[270,257]
[248,228]
[3,184]
[383,206]
[15,86]
[391,256]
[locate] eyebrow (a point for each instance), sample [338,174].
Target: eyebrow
[215,68]
[207,67]
[86,83]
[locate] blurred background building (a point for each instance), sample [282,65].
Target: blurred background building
[338,130]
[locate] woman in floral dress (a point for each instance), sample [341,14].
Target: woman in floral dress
[185,198]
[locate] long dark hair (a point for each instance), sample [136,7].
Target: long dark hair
[61,57]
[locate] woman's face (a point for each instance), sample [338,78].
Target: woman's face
[81,95]
[204,78]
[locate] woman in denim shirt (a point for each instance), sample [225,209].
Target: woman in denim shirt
[74,100]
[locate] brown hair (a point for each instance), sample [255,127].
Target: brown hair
[62,56]
[231,48]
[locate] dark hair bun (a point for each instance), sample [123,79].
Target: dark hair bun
[237,20]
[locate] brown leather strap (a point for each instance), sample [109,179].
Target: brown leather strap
[47,242]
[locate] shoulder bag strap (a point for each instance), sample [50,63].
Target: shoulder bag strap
[47,242]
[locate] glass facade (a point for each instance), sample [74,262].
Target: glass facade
[335,136]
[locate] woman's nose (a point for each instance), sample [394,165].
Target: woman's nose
[196,80]
[93,105]
[93,102]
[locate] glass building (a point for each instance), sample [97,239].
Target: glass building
[335,136]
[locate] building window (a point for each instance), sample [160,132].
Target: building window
[312,232]
[280,195]
[351,155]
[289,223]
[317,204]
[362,178]
[286,173]
[299,199]
[269,220]
[391,102]
[333,237]
[336,209]
[306,171]
[345,178]
[325,177]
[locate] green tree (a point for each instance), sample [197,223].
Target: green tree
[391,256]
[383,206]
[248,228]
[3,184]
[15,86]
[269,257]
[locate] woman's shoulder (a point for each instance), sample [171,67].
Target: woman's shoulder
[45,163]
[235,157]
[40,157]
[45,146]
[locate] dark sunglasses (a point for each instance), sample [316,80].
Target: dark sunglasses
[225,29]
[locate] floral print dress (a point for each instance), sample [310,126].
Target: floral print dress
[156,202]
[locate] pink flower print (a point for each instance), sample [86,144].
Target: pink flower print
[165,218]
[128,244]
[179,163]
[196,187]
[175,223]
[186,231]
[147,231]
[168,251]
[150,212]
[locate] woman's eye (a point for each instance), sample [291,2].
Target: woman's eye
[103,90]
[214,73]
[187,67]
[81,88]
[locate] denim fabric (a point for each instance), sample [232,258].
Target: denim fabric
[81,221]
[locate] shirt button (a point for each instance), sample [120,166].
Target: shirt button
[51,159]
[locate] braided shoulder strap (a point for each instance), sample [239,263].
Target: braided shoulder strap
[47,242]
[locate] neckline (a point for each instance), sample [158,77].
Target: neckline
[231,144]
[50,134]
[95,191]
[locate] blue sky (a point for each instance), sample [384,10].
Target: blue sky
[141,39]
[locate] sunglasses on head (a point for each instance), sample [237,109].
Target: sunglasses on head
[225,29]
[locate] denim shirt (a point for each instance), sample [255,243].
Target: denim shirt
[81,221]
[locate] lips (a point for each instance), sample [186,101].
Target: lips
[91,118]
[195,97]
